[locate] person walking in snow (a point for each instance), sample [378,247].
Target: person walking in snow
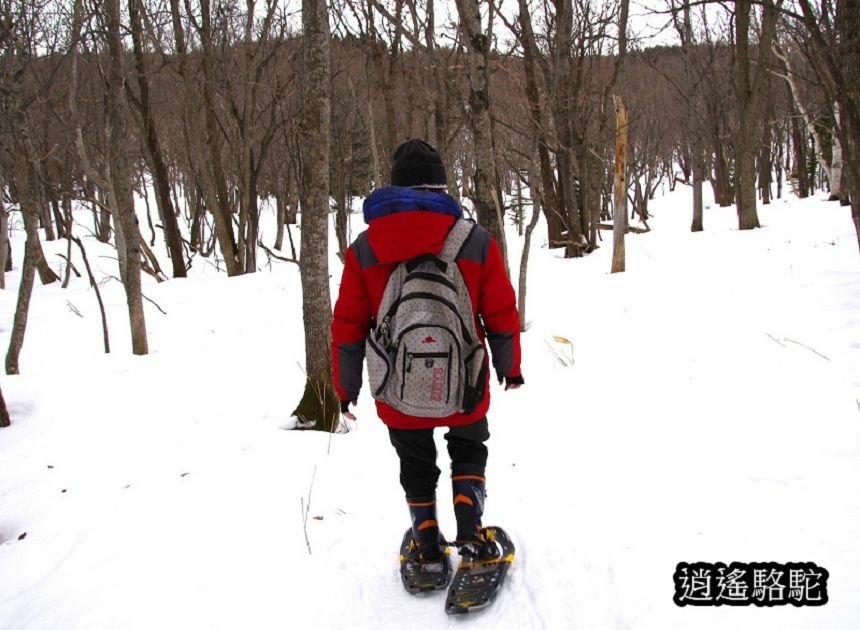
[425,374]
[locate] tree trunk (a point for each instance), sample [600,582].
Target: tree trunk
[440,91]
[45,217]
[535,193]
[798,141]
[152,144]
[765,168]
[95,286]
[749,90]
[120,179]
[26,198]
[550,202]
[620,186]
[5,421]
[103,229]
[319,403]
[836,164]
[206,153]
[722,185]
[698,205]
[477,50]
[4,237]
[31,212]
[281,205]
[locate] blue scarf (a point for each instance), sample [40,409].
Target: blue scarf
[385,201]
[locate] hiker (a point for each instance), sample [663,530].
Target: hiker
[422,326]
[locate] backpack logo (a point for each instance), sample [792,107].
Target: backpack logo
[436,385]
[429,339]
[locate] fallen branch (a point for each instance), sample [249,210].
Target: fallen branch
[797,343]
[803,345]
[775,340]
[630,228]
[276,256]
[306,508]
[154,304]
[71,265]
[74,309]
[95,286]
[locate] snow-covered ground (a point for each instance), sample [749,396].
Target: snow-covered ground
[710,414]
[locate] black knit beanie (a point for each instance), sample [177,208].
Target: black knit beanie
[418,165]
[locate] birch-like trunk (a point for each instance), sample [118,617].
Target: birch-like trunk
[836,163]
[477,51]
[789,76]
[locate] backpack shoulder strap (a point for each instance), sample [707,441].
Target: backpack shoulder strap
[457,237]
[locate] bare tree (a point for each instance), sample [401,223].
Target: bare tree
[834,40]
[319,403]
[536,194]
[749,89]
[204,136]
[120,178]
[620,186]
[23,177]
[486,194]
[152,144]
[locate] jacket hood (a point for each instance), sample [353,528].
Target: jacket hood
[405,223]
[393,199]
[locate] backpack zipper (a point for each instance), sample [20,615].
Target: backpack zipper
[435,298]
[432,277]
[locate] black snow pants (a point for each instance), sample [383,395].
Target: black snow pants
[417,451]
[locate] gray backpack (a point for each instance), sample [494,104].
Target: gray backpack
[424,357]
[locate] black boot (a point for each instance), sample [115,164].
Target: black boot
[469,495]
[425,528]
[469,492]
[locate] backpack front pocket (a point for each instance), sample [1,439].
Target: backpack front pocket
[427,373]
[426,378]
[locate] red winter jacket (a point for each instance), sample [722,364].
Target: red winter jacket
[401,235]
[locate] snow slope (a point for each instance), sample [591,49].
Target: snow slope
[710,414]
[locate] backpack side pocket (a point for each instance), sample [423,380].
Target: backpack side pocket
[475,378]
[378,367]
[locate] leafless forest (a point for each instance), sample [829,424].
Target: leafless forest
[215,105]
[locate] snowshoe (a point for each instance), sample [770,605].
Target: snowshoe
[481,573]
[421,573]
